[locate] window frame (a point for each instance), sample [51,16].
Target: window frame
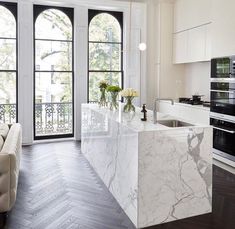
[37,10]
[13,8]
[119,16]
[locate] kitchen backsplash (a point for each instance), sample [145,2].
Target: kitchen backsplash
[197,79]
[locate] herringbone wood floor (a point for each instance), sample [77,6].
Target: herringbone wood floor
[59,190]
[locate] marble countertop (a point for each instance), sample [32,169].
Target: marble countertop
[133,120]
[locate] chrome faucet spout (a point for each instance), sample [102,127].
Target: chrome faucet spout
[155,108]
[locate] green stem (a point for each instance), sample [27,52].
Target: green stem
[114,102]
[103,102]
[129,106]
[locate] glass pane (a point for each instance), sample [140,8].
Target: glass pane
[105,56]
[53,55]
[53,104]
[96,77]
[7,88]
[53,87]
[104,27]
[53,24]
[7,23]
[7,54]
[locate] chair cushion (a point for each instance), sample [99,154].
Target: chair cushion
[4,129]
[1,142]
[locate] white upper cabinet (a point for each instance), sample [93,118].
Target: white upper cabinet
[180,47]
[192,45]
[196,44]
[209,26]
[208,42]
[223,28]
[191,13]
[192,22]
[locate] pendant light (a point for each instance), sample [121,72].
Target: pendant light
[142,46]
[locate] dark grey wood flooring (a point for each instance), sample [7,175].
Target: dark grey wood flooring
[59,190]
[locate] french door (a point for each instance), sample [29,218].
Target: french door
[53,72]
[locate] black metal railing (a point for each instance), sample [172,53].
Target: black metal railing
[8,113]
[50,118]
[53,118]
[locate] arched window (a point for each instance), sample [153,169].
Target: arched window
[8,62]
[105,50]
[53,94]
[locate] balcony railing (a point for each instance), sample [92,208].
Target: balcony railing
[53,118]
[7,113]
[50,118]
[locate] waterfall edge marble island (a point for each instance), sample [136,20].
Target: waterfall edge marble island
[156,173]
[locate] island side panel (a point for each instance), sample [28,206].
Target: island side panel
[175,175]
[112,150]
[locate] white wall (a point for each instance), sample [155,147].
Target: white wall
[171,77]
[197,79]
[163,78]
[25,76]
[152,51]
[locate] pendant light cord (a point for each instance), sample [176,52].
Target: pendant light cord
[130,24]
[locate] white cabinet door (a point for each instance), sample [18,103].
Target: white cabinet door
[196,44]
[208,42]
[223,28]
[180,46]
[191,13]
[192,45]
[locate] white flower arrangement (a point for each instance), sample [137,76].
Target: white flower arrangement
[129,92]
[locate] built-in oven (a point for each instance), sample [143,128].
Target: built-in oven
[223,106]
[223,96]
[223,135]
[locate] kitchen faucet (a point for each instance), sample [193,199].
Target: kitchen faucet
[155,108]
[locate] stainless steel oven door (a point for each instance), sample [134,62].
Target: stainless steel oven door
[224,136]
[223,97]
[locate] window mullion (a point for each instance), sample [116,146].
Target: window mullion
[106,27]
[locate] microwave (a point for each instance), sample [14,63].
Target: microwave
[223,68]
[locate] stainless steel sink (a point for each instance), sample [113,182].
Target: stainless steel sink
[173,123]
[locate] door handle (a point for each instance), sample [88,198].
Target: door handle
[221,91]
[222,129]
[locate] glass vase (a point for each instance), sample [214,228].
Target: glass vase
[129,107]
[113,101]
[102,102]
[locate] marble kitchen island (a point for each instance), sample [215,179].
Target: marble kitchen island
[156,173]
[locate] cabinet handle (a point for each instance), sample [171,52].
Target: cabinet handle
[230,92]
[228,131]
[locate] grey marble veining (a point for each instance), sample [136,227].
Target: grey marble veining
[112,150]
[156,173]
[174,175]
